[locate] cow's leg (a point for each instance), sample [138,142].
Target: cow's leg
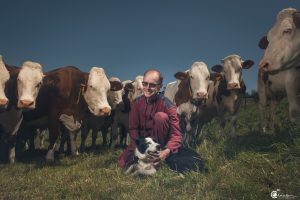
[104,132]
[72,135]
[262,96]
[42,135]
[84,134]
[54,131]
[222,123]
[273,105]
[113,134]
[11,149]
[94,138]
[292,90]
[233,124]
[30,140]
[63,139]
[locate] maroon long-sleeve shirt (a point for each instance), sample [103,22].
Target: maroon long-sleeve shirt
[141,123]
[141,120]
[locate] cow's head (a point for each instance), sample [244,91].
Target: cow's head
[4,77]
[198,77]
[282,43]
[137,87]
[29,83]
[96,92]
[231,66]
[114,97]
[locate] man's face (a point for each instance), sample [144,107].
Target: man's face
[151,84]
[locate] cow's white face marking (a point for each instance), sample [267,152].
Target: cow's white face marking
[29,82]
[232,68]
[199,80]
[4,77]
[138,87]
[96,92]
[284,43]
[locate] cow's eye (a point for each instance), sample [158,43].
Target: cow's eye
[287,31]
[39,84]
[191,77]
[207,78]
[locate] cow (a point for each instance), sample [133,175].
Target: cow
[64,98]
[11,117]
[4,77]
[224,93]
[100,123]
[119,120]
[279,67]
[188,93]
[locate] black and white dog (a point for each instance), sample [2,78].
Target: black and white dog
[185,160]
[144,147]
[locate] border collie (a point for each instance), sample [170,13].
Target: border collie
[144,146]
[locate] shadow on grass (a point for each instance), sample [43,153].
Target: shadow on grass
[256,142]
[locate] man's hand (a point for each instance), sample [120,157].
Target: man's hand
[157,157]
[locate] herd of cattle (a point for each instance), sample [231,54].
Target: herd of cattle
[67,100]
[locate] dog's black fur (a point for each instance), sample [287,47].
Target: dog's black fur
[186,160]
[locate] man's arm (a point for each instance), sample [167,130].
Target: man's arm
[175,139]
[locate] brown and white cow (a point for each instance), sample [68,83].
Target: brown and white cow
[224,94]
[100,123]
[188,93]
[65,96]
[11,117]
[279,73]
[119,120]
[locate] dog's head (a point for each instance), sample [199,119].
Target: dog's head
[144,146]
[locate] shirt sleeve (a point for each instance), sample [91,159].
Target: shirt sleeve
[175,139]
[134,121]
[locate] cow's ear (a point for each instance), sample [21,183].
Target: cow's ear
[128,87]
[217,68]
[115,85]
[181,75]
[247,64]
[263,42]
[215,76]
[296,19]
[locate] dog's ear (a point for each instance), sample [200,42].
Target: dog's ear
[141,144]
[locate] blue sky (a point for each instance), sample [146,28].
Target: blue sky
[126,37]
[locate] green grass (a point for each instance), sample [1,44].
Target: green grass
[248,166]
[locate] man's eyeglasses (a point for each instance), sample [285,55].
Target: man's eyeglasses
[150,85]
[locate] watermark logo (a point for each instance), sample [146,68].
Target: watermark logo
[275,194]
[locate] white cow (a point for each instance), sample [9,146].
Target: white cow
[279,73]
[188,92]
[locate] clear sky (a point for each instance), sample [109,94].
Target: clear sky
[126,37]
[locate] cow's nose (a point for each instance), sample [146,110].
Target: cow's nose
[105,111]
[3,102]
[202,95]
[26,103]
[232,85]
[264,66]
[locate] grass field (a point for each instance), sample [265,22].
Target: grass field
[248,166]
